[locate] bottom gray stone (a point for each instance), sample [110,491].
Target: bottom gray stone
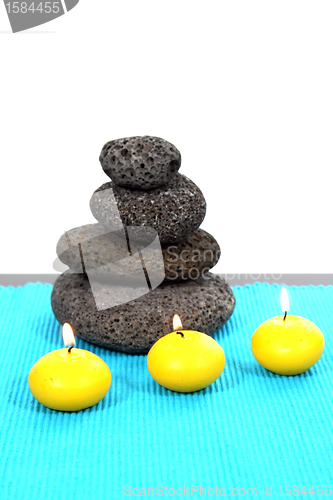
[203,305]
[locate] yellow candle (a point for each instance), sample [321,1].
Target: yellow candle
[287,345]
[69,379]
[185,361]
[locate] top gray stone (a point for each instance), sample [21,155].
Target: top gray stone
[140,162]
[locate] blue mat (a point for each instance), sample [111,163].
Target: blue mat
[250,429]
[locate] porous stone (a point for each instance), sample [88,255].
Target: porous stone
[203,305]
[140,162]
[190,258]
[112,254]
[175,210]
[101,247]
[105,251]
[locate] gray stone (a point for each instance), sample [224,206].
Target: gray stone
[101,253]
[140,162]
[190,258]
[175,210]
[105,251]
[101,247]
[203,305]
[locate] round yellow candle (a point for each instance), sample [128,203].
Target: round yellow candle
[287,347]
[185,361]
[69,381]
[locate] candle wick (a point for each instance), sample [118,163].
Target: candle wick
[71,347]
[285,315]
[180,333]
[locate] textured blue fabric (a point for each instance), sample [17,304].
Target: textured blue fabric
[248,429]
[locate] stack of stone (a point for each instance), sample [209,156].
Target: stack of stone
[147,193]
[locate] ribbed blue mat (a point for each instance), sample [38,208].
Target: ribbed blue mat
[249,429]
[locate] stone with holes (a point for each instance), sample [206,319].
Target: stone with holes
[190,258]
[175,210]
[104,252]
[203,305]
[140,162]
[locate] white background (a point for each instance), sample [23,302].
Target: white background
[244,89]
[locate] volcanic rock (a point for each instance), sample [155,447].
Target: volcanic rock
[175,210]
[104,251]
[140,162]
[190,258]
[133,327]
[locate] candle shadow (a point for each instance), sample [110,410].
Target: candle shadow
[152,388]
[245,369]
[19,395]
[159,391]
